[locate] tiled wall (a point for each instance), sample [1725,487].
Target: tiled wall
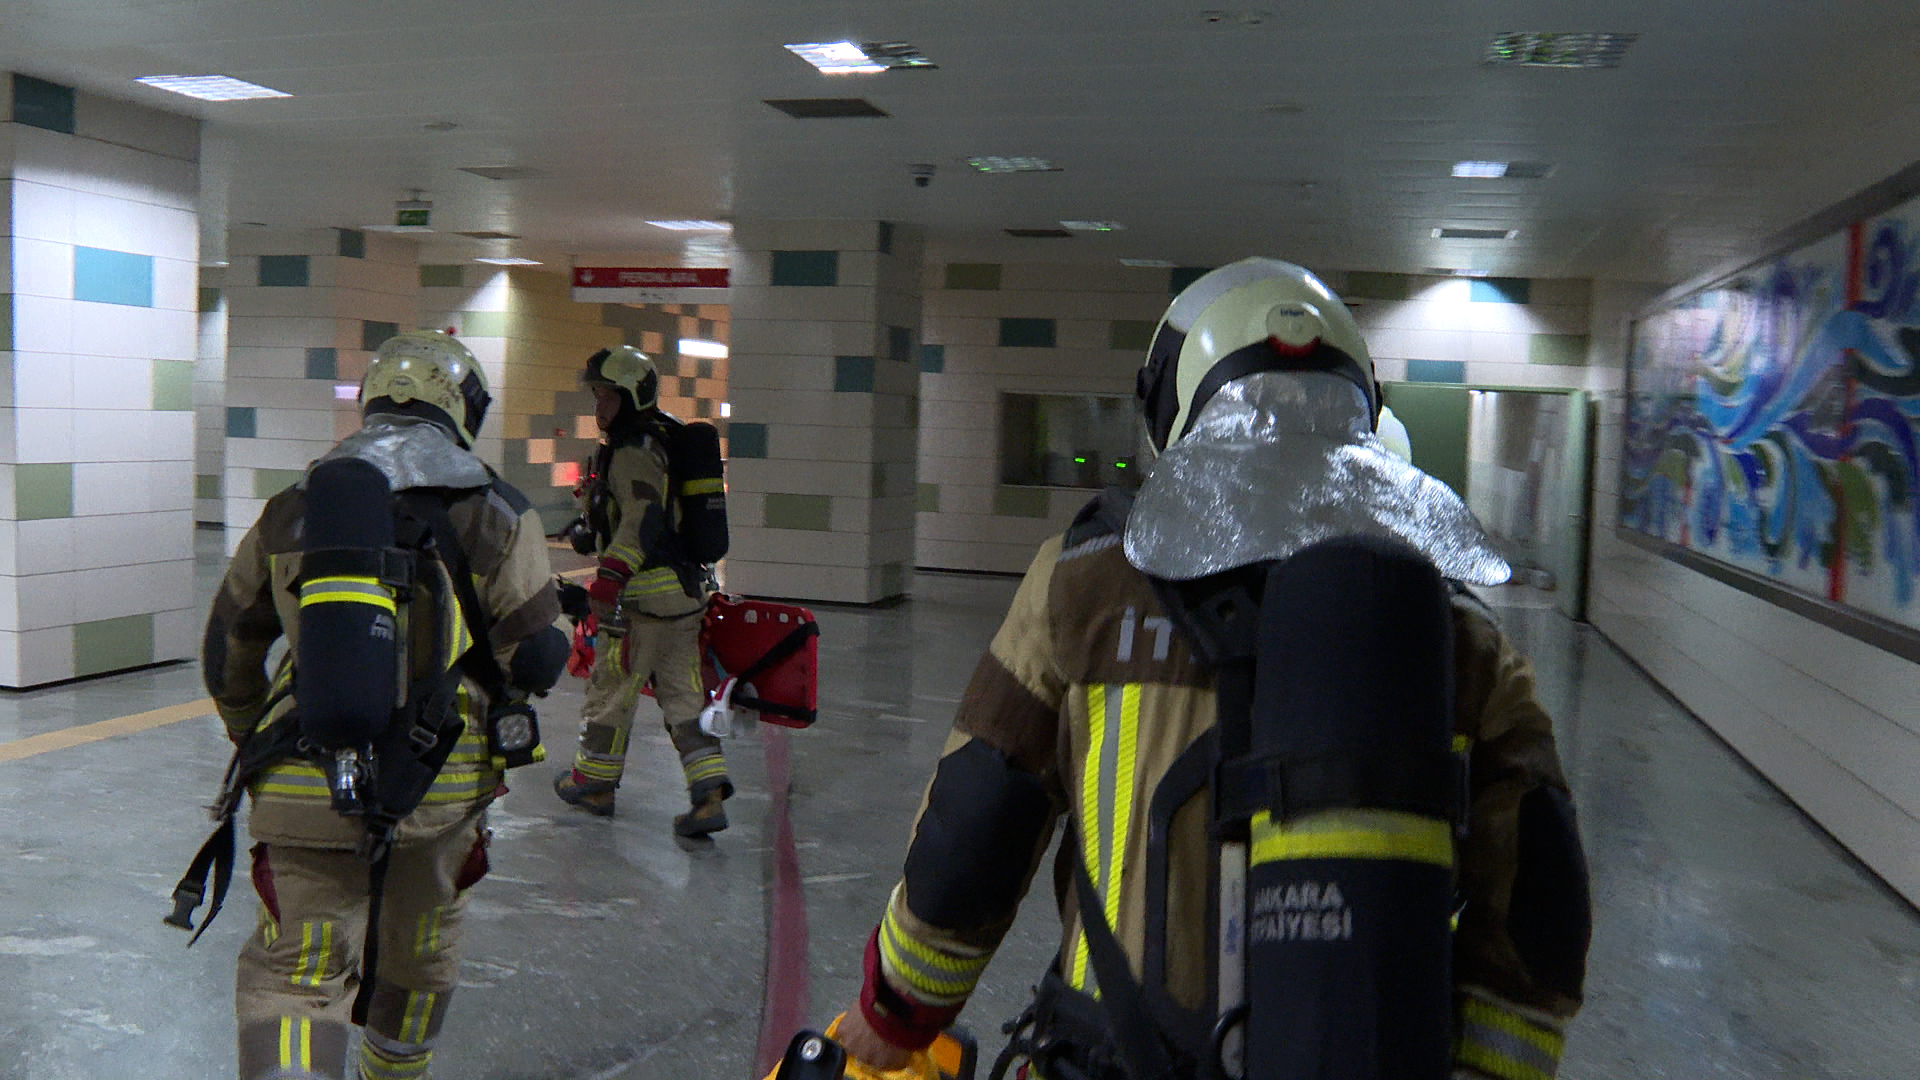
[1828,718]
[210,402]
[997,328]
[305,310]
[825,393]
[99,329]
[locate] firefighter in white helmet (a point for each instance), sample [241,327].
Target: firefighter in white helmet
[647,599]
[1113,685]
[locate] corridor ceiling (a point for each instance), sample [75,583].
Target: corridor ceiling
[1323,132]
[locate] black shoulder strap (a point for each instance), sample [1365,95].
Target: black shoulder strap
[478,661]
[1135,1032]
[1103,515]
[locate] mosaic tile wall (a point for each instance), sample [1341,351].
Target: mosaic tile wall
[210,402]
[823,443]
[98,300]
[994,328]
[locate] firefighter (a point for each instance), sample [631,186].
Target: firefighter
[1259,400]
[648,598]
[313,867]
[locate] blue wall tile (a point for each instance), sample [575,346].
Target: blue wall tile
[112,277]
[375,334]
[746,440]
[1436,371]
[806,268]
[42,104]
[284,271]
[933,359]
[242,423]
[1027,333]
[1501,290]
[899,343]
[853,374]
[323,363]
[353,243]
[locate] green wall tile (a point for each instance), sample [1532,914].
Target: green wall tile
[42,104]
[353,243]
[112,645]
[43,491]
[1369,285]
[1501,290]
[1436,371]
[206,487]
[973,276]
[893,580]
[284,271]
[1027,333]
[6,322]
[1129,334]
[270,482]
[1182,276]
[853,374]
[1560,350]
[374,334]
[933,359]
[900,343]
[1027,502]
[243,422]
[877,480]
[746,440]
[806,268]
[885,239]
[173,386]
[323,363]
[112,277]
[926,498]
[483,323]
[209,299]
[811,512]
[913,412]
[442,277]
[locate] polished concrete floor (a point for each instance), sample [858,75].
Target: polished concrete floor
[1733,938]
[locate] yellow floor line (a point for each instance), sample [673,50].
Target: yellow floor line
[104,729]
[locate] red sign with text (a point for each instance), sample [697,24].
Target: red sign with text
[649,277]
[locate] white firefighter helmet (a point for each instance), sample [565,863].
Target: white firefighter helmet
[1393,434]
[1259,399]
[428,373]
[625,368]
[1251,316]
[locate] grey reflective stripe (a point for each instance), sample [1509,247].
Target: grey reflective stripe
[1510,1046]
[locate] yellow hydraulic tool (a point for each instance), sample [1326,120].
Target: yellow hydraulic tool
[814,1056]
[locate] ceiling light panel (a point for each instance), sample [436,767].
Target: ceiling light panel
[826,108]
[1148,264]
[1533,49]
[859,58]
[507,261]
[1041,234]
[1448,232]
[502,172]
[211,87]
[693,225]
[1092,226]
[702,350]
[994,164]
[1503,170]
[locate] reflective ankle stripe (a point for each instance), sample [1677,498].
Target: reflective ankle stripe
[1505,1044]
[937,976]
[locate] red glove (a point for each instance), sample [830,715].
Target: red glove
[906,1024]
[603,592]
[580,659]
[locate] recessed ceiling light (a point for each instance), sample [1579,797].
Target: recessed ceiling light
[1508,170]
[702,350]
[1149,264]
[1456,271]
[440,125]
[1011,164]
[502,172]
[693,225]
[1041,234]
[1448,232]
[1092,226]
[1532,49]
[211,87]
[860,58]
[504,260]
[827,108]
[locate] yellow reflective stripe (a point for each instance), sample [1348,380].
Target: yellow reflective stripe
[1122,787]
[1090,814]
[347,590]
[296,1043]
[1504,1044]
[306,953]
[709,486]
[413,1025]
[703,770]
[1352,834]
[930,972]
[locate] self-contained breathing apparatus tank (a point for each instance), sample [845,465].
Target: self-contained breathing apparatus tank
[349,623]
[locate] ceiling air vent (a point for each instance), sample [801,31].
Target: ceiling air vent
[1528,170]
[826,108]
[489,234]
[503,172]
[1041,234]
[1529,49]
[1450,233]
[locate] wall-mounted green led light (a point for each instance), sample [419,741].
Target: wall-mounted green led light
[1079,461]
[1119,464]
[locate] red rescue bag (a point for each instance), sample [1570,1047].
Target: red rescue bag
[772,649]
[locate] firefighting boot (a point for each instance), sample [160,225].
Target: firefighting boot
[593,796]
[709,815]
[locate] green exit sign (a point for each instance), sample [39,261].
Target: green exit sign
[416,219]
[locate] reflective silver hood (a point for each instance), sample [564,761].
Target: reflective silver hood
[1280,461]
[412,453]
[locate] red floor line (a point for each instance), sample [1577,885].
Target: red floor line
[784,1009]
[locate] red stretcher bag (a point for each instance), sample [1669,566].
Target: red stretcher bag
[773,650]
